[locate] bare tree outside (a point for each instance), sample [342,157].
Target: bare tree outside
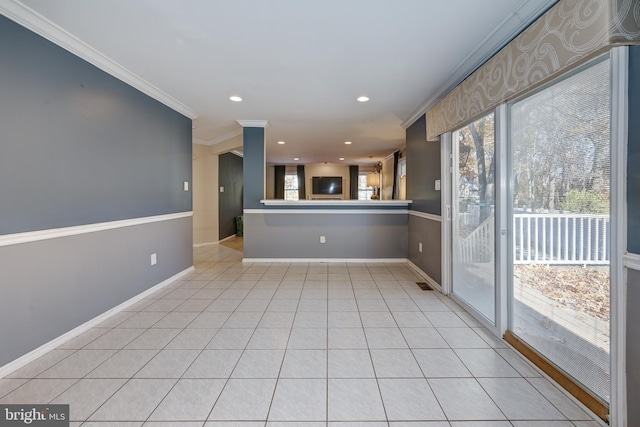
[477,163]
[560,148]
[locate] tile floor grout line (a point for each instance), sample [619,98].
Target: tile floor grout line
[143,366]
[240,356]
[284,356]
[373,365]
[388,292]
[326,413]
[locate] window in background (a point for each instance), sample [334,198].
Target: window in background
[291,186]
[402,167]
[402,179]
[364,192]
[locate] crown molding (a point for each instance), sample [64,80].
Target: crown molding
[390,156]
[253,123]
[30,19]
[219,139]
[237,153]
[524,16]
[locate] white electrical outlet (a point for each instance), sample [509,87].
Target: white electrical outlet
[323,239]
[420,247]
[154,259]
[221,189]
[186,186]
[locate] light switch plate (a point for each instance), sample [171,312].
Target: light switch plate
[437,185]
[221,189]
[186,186]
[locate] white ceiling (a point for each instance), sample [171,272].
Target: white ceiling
[299,64]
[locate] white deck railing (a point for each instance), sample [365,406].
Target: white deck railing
[479,246]
[561,239]
[567,239]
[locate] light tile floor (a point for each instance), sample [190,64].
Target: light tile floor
[284,345]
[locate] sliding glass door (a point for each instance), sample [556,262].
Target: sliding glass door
[560,172]
[473,222]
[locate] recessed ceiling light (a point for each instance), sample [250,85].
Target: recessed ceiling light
[347,142]
[235,98]
[280,142]
[341,158]
[295,158]
[363,99]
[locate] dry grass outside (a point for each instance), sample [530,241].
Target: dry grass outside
[583,289]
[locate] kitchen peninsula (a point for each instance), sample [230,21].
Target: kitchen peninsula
[327,230]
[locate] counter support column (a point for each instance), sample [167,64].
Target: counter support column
[253,170]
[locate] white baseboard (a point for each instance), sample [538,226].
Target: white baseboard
[327,260]
[199,245]
[56,342]
[435,285]
[632,261]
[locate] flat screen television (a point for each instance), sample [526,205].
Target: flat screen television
[327,184]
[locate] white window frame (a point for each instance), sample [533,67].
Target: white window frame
[364,193]
[289,190]
[619,60]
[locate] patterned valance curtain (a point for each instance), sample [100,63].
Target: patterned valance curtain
[566,36]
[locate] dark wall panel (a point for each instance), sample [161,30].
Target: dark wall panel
[79,146]
[633,155]
[253,170]
[229,201]
[423,169]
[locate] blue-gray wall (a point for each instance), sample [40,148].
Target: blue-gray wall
[633,239]
[633,154]
[429,233]
[348,235]
[423,169]
[49,287]
[80,146]
[77,147]
[230,201]
[254,167]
